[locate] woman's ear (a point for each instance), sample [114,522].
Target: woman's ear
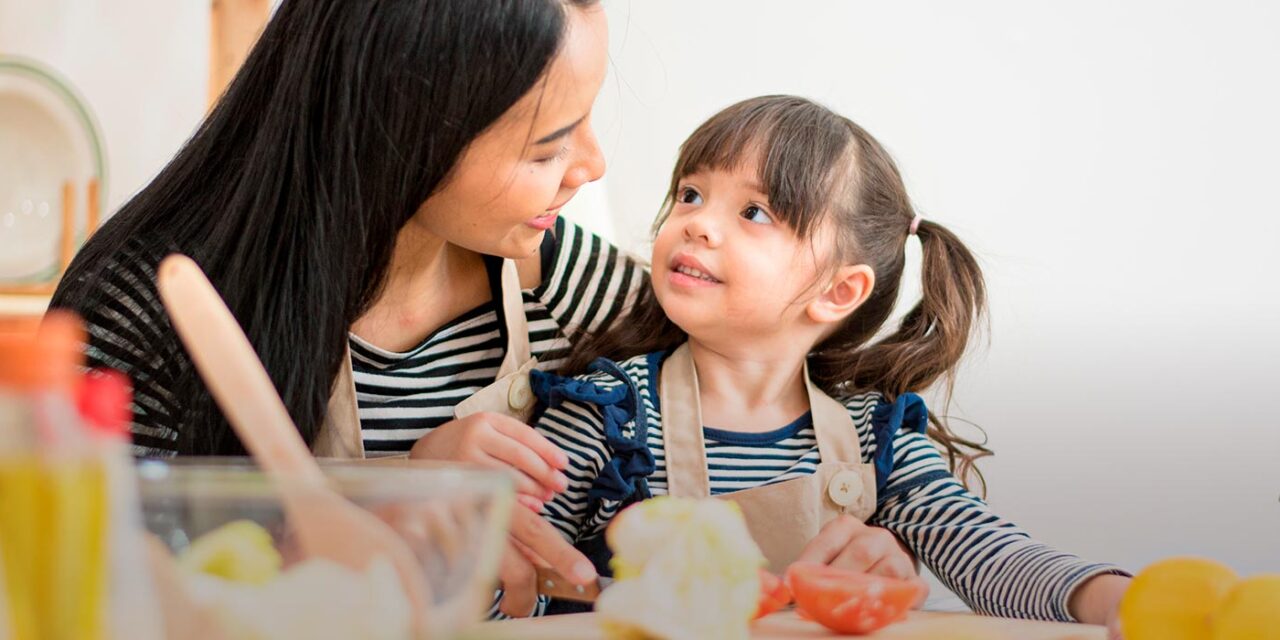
[848,289]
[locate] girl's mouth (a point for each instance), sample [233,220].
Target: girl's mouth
[687,271]
[694,273]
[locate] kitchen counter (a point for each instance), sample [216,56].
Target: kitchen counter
[920,625]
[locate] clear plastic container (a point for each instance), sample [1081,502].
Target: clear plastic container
[198,514]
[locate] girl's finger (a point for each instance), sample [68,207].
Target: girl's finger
[831,540]
[894,566]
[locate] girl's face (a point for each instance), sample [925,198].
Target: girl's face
[725,267]
[509,185]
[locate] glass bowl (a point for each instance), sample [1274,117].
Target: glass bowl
[236,559]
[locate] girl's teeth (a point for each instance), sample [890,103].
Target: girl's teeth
[689,271]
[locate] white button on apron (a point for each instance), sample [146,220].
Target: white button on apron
[520,395]
[845,487]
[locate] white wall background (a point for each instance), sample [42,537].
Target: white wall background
[1114,164]
[142,65]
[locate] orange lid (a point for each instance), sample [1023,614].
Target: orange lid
[41,355]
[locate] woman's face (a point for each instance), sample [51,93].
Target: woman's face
[510,183]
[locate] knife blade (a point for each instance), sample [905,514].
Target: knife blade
[551,583]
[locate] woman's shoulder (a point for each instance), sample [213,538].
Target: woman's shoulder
[116,289]
[128,330]
[586,280]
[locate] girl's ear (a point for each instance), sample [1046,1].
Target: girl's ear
[848,289]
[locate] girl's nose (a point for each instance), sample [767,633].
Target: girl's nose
[701,226]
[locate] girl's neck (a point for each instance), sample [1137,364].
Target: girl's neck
[429,282]
[748,392]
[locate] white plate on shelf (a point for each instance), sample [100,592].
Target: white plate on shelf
[48,137]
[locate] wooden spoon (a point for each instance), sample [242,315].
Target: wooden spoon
[327,525]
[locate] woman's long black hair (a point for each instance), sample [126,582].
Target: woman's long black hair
[346,115]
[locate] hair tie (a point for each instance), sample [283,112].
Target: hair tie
[915,225]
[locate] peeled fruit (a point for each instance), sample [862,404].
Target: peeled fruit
[240,551]
[684,569]
[1174,599]
[1251,611]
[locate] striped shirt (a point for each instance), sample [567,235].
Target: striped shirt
[401,396]
[586,283]
[993,565]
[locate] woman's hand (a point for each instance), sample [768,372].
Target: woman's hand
[500,442]
[535,542]
[848,543]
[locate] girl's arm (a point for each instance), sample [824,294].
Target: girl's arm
[992,564]
[578,429]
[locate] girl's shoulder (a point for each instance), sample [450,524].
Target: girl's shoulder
[624,386]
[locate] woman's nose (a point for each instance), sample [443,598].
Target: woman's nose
[589,162]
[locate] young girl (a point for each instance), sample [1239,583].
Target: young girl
[751,370]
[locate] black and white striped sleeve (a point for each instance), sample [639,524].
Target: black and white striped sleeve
[577,429]
[991,563]
[591,283]
[128,331]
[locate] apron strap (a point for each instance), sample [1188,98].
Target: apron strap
[686,454]
[832,425]
[682,437]
[339,435]
[517,326]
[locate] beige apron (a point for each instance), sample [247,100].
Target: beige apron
[509,394]
[785,516]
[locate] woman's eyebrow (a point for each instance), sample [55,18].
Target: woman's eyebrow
[561,132]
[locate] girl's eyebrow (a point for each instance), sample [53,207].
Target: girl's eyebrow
[561,132]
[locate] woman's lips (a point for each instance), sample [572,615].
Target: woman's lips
[544,221]
[548,219]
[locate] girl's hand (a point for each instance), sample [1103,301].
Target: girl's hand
[1097,601]
[848,543]
[500,442]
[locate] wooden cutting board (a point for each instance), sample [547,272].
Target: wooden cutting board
[920,625]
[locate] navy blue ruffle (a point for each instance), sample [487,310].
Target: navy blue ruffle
[907,412]
[632,462]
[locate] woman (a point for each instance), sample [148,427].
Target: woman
[344,191]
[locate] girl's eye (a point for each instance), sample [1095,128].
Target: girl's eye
[689,195]
[757,214]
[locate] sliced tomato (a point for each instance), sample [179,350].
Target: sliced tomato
[774,595]
[850,601]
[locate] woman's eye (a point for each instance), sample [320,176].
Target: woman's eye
[689,195]
[552,158]
[757,215]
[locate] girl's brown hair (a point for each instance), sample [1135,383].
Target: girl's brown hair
[820,170]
